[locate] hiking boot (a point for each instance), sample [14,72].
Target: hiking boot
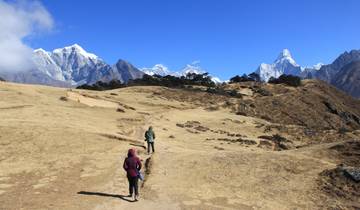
[136,198]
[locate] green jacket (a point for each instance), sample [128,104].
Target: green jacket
[149,136]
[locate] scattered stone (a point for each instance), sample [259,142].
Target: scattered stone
[191,131]
[353,173]
[180,125]
[63,98]
[241,113]
[171,137]
[120,110]
[277,141]
[239,140]
[264,117]
[218,148]
[337,183]
[267,129]
[201,128]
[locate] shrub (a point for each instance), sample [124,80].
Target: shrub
[113,84]
[63,98]
[253,77]
[243,78]
[289,80]
[342,130]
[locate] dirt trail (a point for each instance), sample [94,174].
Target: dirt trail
[187,173]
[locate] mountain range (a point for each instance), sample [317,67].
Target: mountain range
[343,73]
[162,70]
[284,64]
[72,66]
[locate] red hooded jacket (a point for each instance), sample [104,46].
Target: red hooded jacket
[132,164]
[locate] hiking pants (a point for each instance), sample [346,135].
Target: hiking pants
[152,147]
[133,185]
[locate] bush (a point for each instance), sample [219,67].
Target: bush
[289,80]
[222,91]
[171,81]
[342,130]
[113,84]
[243,78]
[253,77]
[263,92]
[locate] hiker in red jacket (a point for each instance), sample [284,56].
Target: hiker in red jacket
[132,166]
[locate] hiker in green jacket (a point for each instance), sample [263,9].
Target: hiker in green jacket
[149,138]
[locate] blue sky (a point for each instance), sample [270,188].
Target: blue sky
[229,37]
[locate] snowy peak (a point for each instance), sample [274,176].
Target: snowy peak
[284,64]
[285,56]
[75,66]
[314,67]
[75,48]
[318,66]
[192,68]
[162,70]
[40,51]
[158,69]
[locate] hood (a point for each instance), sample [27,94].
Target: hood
[131,153]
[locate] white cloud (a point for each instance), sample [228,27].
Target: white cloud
[19,19]
[195,63]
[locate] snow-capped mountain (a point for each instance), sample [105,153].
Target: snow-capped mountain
[47,65]
[284,64]
[158,69]
[317,66]
[72,66]
[76,64]
[310,71]
[193,68]
[162,70]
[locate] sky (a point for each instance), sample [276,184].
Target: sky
[228,37]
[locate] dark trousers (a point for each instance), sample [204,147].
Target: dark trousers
[152,147]
[133,185]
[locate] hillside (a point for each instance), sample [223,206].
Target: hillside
[277,147]
[348,79]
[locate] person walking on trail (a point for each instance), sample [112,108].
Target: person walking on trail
[149,138]
[132,166]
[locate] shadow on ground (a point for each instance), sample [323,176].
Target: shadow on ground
[122,197]
[138,145]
